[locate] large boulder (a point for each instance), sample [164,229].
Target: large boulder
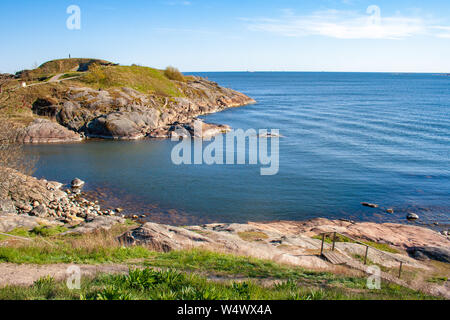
[433,253]
[125,125]
[47,131]
[163,238]
[73,116]
[10,222]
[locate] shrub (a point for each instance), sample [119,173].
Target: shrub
[173,73]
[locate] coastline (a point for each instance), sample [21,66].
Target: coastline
[43,204]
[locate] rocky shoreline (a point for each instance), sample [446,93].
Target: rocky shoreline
[31,203]
[78,113]
[43,200]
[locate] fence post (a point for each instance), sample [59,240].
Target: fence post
[367,252]
[334,241]
[323,241]
[400,269]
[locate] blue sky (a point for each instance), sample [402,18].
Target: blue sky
[231,35]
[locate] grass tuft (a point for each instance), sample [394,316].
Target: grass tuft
[252,236]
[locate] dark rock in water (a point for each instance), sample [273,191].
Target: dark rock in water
[370,205]
[179,131]
[161,133]
[77,183]
[412,216]
[433,253]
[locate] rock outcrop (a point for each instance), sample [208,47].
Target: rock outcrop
[95,224]
[288,242]
[45,199]
[47,131]
[10,222]
[222,238]
[430,253]
[126,114]
[399,235]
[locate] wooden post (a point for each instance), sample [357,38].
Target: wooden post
[400,270]
[367,252]
[323,241]
[334,241]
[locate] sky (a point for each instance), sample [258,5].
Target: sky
[231,35]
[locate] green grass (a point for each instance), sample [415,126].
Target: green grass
[42,231]
[252,236]
[64,253]
[102,247]
[143,79]
[227,264]
[438,280]
[148,284]
[294,282]
[71,75]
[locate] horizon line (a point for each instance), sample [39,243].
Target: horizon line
[326,71]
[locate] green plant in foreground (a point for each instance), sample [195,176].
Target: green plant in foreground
[150,284]
[44,282]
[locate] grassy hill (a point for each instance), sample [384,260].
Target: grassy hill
[50,68]
[16,101]
[143,79]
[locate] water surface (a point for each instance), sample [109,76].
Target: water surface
[348,138]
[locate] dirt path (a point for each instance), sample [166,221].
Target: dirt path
[26,274]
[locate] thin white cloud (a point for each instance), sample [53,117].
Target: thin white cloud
[348,25]
[442,32]
[178,3]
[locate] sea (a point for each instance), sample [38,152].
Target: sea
[345,138]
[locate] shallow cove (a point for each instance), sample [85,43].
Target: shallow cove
[348,138]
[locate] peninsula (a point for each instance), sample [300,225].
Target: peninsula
[70,100]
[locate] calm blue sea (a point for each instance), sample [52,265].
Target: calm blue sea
[348,138]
